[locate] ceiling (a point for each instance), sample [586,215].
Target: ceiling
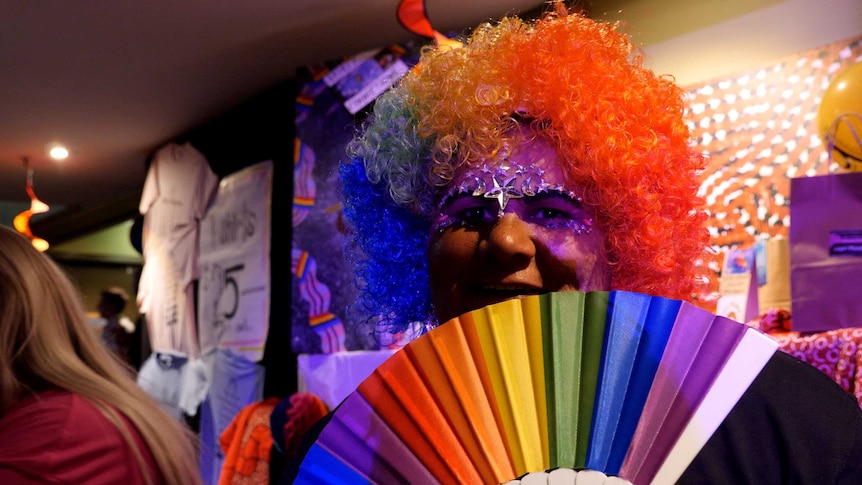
[115,80]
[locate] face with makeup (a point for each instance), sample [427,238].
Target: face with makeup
[510,227]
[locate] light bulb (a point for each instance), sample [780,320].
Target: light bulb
[58,152]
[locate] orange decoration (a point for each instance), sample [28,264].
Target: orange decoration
[22,220]
[412,15]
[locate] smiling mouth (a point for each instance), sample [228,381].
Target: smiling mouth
[480,295]
[509,290]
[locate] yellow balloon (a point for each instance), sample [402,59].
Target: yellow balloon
[839,117]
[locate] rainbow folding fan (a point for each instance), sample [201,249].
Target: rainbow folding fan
[622,383]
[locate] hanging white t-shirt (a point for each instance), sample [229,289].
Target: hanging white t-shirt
[178,188]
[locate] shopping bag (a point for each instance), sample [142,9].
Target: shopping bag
[826,251]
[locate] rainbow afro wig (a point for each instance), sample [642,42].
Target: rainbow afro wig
[619,128]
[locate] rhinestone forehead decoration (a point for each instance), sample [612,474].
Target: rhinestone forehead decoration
[503,183]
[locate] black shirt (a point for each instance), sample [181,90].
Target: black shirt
[794,425]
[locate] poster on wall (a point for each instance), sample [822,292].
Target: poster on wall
[234,262]
[333,100]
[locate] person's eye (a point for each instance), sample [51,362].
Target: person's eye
[475,216]
[550,213]
[467,211]
[557,211]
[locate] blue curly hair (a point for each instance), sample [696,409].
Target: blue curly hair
[619,129]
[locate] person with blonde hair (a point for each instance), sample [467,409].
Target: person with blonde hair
[69,411]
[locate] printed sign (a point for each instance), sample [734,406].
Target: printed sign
[234,288]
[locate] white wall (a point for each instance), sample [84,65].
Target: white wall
[754,39]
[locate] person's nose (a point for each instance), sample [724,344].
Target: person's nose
[511,238]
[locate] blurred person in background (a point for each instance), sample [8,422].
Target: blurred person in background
[118,332]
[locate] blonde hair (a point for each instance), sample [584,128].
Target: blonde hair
[46,342]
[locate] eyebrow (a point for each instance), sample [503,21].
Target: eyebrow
[527,199]
[465,195]
[533,199]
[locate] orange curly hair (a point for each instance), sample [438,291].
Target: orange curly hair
[620,129]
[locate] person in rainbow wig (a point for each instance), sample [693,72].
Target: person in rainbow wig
[618,129]
[543,156]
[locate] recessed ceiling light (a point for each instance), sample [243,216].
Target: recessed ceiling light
[57,151]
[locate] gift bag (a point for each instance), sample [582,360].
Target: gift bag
[826,251]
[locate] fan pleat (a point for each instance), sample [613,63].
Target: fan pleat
[562,320]
[745,363]
[595,320]
[650,439]
[532,313]
[321,466]
[620,382]
[503,336]
[636,336]
[397,391]
[626,314]
[359,434]
[660,319]
[449,369]
[697,351]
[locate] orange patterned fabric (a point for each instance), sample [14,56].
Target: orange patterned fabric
[775,320]
[836,353]
[246,443]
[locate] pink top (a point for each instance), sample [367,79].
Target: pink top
[60,437]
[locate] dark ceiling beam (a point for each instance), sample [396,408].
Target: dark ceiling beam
[82,220]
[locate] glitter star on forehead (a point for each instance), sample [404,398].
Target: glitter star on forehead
[503,183]
[503,193]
